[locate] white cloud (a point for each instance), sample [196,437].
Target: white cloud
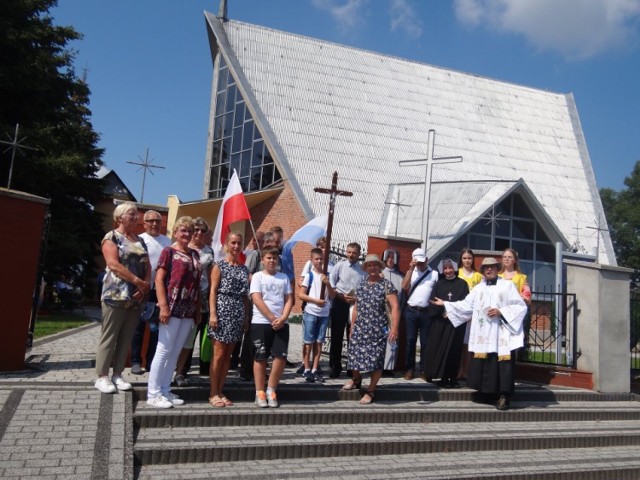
[403,17]
[347,13]
[577,29]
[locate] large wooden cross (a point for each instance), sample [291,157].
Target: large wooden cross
[428,162]
[333,193]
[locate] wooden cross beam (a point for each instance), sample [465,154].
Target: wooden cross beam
[333,192]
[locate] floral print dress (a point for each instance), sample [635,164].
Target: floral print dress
[368,341]
[232,290]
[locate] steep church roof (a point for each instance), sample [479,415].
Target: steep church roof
[323,107]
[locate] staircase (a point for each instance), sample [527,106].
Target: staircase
[413,430]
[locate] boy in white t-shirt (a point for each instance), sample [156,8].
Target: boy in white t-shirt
[272,302]
[315,317]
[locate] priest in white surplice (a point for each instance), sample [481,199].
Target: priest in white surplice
[496,311]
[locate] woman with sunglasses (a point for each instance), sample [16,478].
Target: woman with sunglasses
[199,244]
[178,291]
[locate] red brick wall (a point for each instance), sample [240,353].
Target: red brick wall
[378,244]
[21,225]
[282,210]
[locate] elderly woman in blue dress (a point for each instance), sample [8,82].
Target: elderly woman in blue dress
[371,327]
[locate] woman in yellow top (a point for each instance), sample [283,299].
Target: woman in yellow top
[469,274]
[511,271]
[468,271]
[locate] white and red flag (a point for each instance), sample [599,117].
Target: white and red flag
[233,209]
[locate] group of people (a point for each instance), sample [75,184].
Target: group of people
[179,290]
[242,303]
[452,311]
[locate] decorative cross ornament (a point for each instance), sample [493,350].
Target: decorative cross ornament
[429,162]
[598,228]
[15,145]
[145,165]
[449,295]
[333,193]
[398,205]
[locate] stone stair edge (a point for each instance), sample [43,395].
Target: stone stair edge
[158,454]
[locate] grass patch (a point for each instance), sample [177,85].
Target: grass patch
[57,322]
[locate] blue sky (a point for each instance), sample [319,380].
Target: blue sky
[149,66]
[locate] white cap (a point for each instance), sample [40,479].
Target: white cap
[419,255]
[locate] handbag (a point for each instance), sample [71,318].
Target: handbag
[391,351]
[206,349]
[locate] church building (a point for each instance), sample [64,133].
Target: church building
[498,164]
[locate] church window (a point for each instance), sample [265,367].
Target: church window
[237,142]
[511,224]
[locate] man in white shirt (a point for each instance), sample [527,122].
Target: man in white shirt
[155,242]
[417,284]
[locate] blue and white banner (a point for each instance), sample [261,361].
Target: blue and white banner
[309,233]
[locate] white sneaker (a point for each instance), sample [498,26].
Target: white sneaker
[104,385]
[159,402]
[272,400]
[261,399]
[120,384]
[174,399]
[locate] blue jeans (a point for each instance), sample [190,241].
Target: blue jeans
[417,321]
[314,328]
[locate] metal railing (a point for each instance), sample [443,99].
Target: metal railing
[634,330]
[551,330]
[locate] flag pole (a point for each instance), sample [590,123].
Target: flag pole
[255,235]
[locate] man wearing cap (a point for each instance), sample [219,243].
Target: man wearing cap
[417,283]
[496,311]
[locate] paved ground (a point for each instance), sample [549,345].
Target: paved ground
[55,425]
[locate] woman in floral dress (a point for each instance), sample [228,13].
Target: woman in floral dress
[370,329]
[228,319]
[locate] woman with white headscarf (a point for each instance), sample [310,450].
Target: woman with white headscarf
[444,347]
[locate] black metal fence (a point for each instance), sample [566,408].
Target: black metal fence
[551,330]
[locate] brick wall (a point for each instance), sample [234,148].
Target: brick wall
[379,243]
[282,210]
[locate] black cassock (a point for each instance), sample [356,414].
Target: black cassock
[444,345]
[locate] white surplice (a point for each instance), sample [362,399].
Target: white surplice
[486,334]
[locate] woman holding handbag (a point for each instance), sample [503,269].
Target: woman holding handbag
[124,288]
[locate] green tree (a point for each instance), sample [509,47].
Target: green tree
[39,90]
[623,216]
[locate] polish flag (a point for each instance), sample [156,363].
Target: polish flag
[233,209]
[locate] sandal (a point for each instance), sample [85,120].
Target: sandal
[368,401]
[353,384]
[217,402]
[227,402]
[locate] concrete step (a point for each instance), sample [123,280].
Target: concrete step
[411,431]
[200,414]
[198,433]
[612,463]
[393,392]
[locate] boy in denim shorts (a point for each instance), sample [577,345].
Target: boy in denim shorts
[315,317]
[272,299]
